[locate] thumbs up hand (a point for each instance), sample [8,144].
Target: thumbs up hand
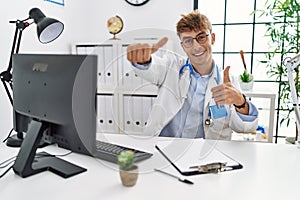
[226,93]
[141,52]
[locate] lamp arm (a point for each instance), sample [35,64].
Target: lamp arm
[291,66]
[20,26]
[6,76]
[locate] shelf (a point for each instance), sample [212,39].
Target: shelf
[265,103]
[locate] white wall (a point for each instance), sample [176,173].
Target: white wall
[85,22]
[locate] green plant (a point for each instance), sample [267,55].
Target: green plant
[284,41]
[126,160]
[246,77]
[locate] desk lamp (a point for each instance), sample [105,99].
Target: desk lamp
[293,64]
[48,29]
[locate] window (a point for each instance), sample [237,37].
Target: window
[237,29]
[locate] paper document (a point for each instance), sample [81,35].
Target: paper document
[185,153]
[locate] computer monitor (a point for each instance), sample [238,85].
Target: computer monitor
[54,99]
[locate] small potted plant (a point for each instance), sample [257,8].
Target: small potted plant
[128,170]
[246,79]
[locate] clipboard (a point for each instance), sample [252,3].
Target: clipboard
[196,156]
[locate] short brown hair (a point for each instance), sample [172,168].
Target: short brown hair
[193,21]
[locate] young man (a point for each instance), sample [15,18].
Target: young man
[195,99]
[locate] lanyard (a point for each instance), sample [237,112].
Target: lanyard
[218,75]
[209,121]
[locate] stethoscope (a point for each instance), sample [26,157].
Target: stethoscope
[209,121]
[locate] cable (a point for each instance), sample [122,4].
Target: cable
[1,167]
[66,154]
[12,159]
[7,163]
[41,154]
[6,171]
[8,135]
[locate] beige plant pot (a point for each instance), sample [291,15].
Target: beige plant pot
[130,177]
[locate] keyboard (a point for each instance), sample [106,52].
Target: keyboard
[109,152]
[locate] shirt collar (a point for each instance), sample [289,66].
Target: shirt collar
[214,72]
[197,75]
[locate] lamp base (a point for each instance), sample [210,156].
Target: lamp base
[17,139]
[14,141]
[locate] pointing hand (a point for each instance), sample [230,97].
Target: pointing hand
[141,52]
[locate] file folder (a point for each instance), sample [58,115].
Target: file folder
[109,114]
[128,114]
[147,105]
[137,114]
[109,63]
[101,114]
[101,65]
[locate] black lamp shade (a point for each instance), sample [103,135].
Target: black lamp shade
[48,29]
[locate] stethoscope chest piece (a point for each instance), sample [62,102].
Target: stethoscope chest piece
[209,121]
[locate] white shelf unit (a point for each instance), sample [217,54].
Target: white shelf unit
[123,99]
[265,103]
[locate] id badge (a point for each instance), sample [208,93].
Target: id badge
[217,111]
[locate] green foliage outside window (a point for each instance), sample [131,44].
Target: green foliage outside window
[283,35]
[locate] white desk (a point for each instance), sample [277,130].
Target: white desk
[270,172]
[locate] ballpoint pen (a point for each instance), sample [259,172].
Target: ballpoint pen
[177,177]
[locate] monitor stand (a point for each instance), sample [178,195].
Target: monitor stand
[29,163]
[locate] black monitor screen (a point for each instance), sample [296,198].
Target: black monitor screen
[54,98]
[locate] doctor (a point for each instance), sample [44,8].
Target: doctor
[196,99]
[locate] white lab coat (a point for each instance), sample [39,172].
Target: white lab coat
[172,92]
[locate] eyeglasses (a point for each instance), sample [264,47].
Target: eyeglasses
[188,42]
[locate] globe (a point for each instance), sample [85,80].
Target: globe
[115,25]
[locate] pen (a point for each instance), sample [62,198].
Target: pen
[160,151]
[178,178]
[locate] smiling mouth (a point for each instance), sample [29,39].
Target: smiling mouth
[198,54]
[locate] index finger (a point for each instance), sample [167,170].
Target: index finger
[159,44]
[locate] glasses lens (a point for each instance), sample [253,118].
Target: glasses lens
[188,42]
[201,38]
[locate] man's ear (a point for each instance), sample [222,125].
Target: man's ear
[213,38]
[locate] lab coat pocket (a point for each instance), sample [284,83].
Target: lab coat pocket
[219,130]
[220,123]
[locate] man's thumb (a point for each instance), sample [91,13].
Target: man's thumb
[159,44]
[226,75]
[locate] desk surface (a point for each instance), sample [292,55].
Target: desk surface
[271,171]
